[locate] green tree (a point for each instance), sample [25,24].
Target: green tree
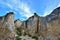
[18,32]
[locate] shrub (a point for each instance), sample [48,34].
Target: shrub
[18,32]
[17,38]
[35,37]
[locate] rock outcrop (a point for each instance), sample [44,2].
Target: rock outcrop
[53,25]
[48,28]
[35,24]
[7,27]
[17,23]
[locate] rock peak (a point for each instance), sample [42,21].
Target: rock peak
[58,8]
[10,13]
[35,14]
[16,20]
[17,23]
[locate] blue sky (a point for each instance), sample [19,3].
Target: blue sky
[23,9]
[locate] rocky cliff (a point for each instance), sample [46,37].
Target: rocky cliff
[48,28]
[7,27]
[53,25]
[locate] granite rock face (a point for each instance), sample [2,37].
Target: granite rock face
[7,27]
[48,28]
[53,24]
[35,24]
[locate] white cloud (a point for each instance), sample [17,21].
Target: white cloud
[22,8]
[27,12]
[9,5]
[47,12]
[58,5]
[49,9]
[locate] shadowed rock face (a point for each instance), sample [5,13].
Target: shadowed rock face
[54,15]
[53,24]
[7,27]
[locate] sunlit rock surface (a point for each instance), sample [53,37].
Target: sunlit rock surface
[17,23]
[7,27]
[48,28]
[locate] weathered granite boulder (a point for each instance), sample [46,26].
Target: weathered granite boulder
[7,27]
